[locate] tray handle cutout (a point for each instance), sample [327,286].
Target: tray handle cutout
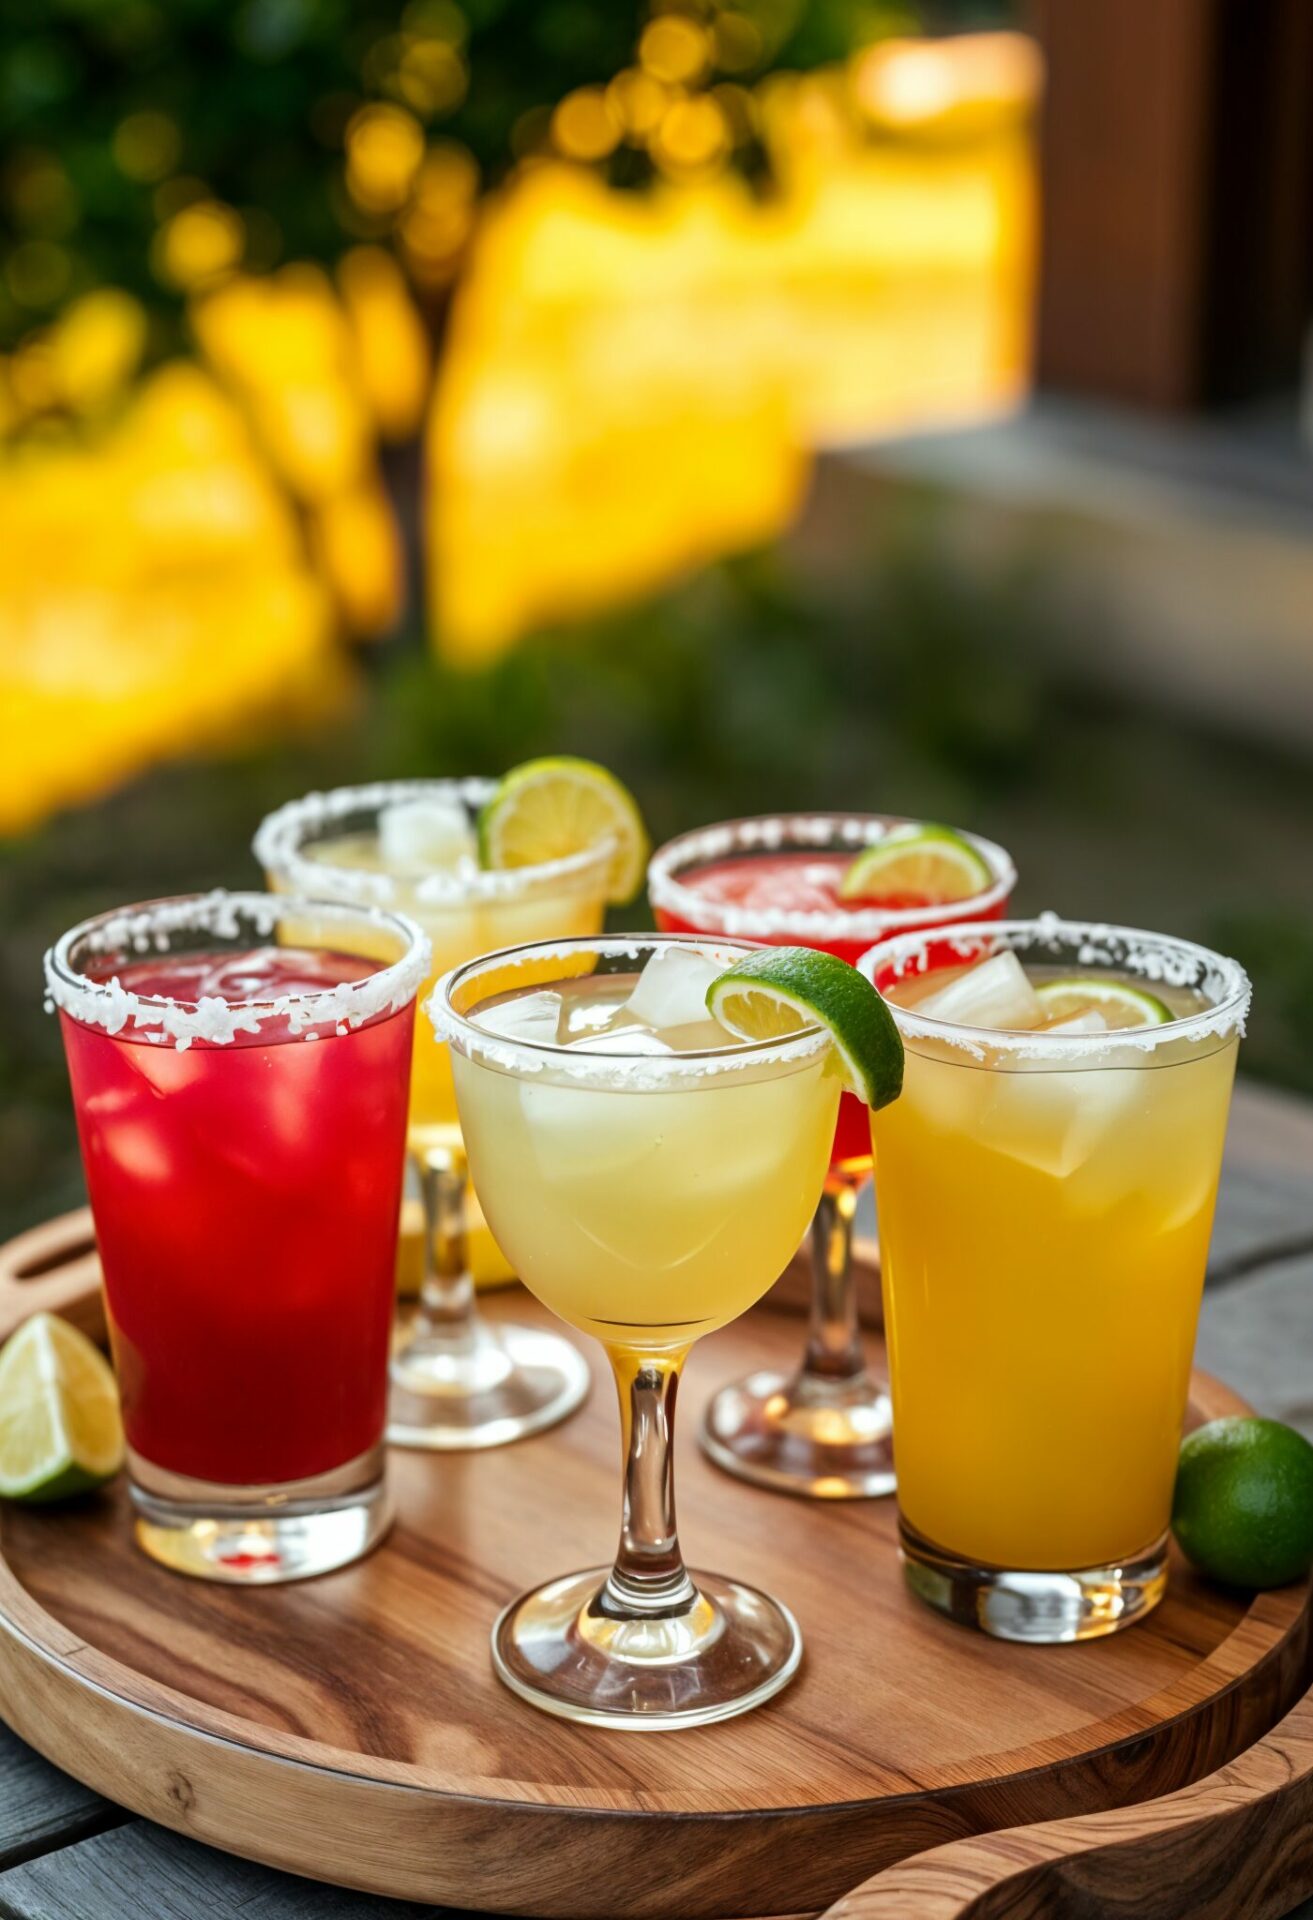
[1237,1845]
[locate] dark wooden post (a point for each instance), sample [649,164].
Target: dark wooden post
[1178,197]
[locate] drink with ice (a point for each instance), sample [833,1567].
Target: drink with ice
[1046,1187]
[241,1109]
[650,1175]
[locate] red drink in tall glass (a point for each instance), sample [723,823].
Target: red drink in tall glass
[825,1430]
[242,1117]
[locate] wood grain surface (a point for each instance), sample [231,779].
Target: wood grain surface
[351,1728]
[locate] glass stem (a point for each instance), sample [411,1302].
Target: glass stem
[649,1579]
[834,1342]
[446,1317]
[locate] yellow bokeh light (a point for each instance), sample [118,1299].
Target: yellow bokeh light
[639,102]
[33,380]
[694,136]
[437,20]
[199,244]
[432,77]
[355,540]
[146,146]
[154,598]
[585,125]
[97,346]
[392,347]
[385,148]
[955,87]
[675,48]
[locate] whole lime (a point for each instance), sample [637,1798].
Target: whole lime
[1243,1508]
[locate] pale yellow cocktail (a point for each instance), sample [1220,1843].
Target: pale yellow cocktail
[1045,1195]
[650,1175]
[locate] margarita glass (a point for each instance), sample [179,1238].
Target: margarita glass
[241,1108]
[826,1430]
[648,1189]
[456,1382]
[1046,1197]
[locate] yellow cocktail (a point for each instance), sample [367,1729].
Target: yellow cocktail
[651,1176]
[410,845]
[1045,1189]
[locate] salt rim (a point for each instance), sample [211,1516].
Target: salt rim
[144,929]
[281,835]
[826,832]
[1158,957]
[632,1072]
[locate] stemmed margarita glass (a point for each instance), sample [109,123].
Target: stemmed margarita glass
[650,1176]
[827,1430]
[408,844]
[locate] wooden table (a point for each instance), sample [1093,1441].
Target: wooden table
[66,1854]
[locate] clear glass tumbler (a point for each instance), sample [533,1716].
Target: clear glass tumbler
[240,1068]
[1045,1200]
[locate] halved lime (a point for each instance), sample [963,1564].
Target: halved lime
[919,862]
[779,991]
[1121,1006]
[60,1430]
[548,809]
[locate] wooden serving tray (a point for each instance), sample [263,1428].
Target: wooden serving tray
[351,1728]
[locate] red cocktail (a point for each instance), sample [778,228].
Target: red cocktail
[241,1107]
[840,882]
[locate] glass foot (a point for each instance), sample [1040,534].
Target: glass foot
[260,1536]
[505,1383]
[730,1650]
[1043,1609]
[826,1439]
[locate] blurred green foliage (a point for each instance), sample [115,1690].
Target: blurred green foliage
[116,113]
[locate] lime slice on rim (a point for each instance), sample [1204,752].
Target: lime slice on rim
[923,862]
[1121,1006]
[777,992]
[60,1430]
[548,809]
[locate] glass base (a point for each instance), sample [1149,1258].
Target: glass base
[507,1382]
[1041,1609]
[260,1536]
[727,1652]
[825,1439]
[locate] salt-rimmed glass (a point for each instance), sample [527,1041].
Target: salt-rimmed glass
[457,1382]
[243,1139]
[1045,1204]
[826,1429]
[647,1199]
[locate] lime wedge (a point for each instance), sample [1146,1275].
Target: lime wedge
[1121,1006]
[60,1431]
[548,809]
[781,990]
[919,862]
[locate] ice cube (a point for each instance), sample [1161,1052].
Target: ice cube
[580,1017]
[1090,1021]
[673,989]
[418,834]
[700,1036]
[995,993]
[633,1039]
[531,1017]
